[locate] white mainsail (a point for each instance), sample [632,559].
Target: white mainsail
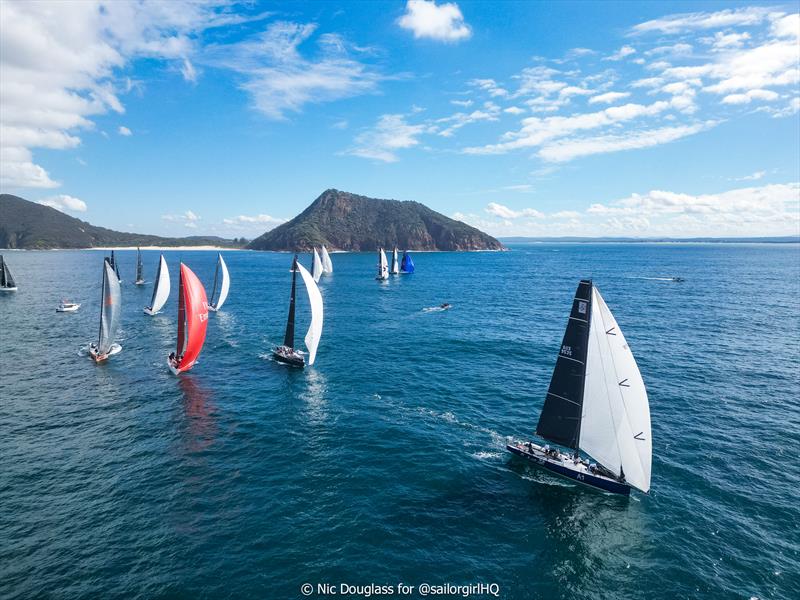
[615,424]
[224,287]
[315,299]
[161,289]
[395,263]
[110,311]
[327,265]
[316,266]
[383,266]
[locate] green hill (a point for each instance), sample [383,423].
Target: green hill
[345,221]
[28,225]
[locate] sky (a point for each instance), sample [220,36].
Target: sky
[228,118]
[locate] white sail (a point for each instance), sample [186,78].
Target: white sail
[327,265]
[316,266]
[161,291]
[383,266]
[315,329]
[615,425]
[395,263]
[226,284]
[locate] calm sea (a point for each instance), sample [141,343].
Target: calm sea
[385,462]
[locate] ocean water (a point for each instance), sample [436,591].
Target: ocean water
[385,462]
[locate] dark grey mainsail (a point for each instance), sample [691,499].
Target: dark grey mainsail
[560,421]
[139,278]
[110,310]
[115,266]
[6,279]
[288,338]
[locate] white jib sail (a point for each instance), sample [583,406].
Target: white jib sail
[383,266]
[615,425]
[395,263]
[162,287]
[316,266]
[226,284]
[327,265]
[315,299]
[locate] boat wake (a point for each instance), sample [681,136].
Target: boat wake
[667,279]
[436,309]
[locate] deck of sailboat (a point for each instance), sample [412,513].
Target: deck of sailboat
[565,466]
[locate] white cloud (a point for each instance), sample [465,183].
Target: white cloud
[608,97]
[188,219]
[490,86]
[749,96]
[621,53]
[460,119]
[678,23]
[514,110]
[443,22]
[463,103]
[499,210]
[124,131]
[390,133]
[752,177]
[255,219]
[64,203]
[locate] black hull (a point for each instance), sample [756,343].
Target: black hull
[292,361]
[602,483]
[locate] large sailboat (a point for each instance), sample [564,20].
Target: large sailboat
[160,289]
[222,268]
[139,268]
[287,352]
[192,321]
[407,265]
[383,266]
[327,264]
[7,283]
[596,403]
[317,267]
[115,266]
[110,311]
[395,270]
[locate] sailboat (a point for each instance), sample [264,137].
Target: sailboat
[7,283]
[110,311]
[139,276]
[224,286]
[596,403]
[327,265]
[383,266]
[160,289]
[316,266]
[192,321]
[115,266]
[407,266]
[395,270]
[287,352]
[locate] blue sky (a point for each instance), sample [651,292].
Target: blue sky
[528,118]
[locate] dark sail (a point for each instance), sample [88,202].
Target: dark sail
[138,265]
[114,264]
[8,279]
[2,272]
[288,339]
[155,286]
[214,287]
[560,421]
[181,318]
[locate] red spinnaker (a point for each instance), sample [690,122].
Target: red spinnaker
[192,319]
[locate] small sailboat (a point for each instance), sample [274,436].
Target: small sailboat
[383,266]
[192,321]
[407,265]
[67,306]
[110,312]
[224,286]
[327,265]
[596,403]
[115,266]
[316,266]
[139,269]
[7,283]
[287,352]
[395,270]
[160,289]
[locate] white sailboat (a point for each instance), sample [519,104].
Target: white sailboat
[110,312]
[327,264]
[316,266]
[395,270]
[597,403]
[160,289]
[287,352]
[215,305]
[383,266]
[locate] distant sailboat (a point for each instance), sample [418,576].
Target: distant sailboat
[7,283]
[115,266]
[327,265]
[407,266]
[316,266]
[383,266]
[110,312]
[139,269]
[287,352]
[395,270]
[160,288]
[192,321]
[224,287]
[596,403]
